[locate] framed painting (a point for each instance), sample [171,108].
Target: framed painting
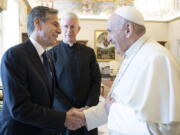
[105,50]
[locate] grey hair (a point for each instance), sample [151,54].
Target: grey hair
[69,15]
[139,29]
[40,12]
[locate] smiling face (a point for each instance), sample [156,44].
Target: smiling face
[70,28]
[49,30]
[116,33]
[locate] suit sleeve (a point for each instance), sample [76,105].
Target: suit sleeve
[61,102]
[17,95]
[95,81]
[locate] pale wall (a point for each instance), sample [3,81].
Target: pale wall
[1,51]
[173,36]
[10,25]
[23,17]
[156,30]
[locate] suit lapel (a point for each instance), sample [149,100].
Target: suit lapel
[32,53]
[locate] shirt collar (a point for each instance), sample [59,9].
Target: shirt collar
[69,45]
[37,46]
[135,46]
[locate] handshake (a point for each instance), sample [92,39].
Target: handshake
[75,119]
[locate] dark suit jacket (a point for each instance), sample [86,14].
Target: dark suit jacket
[78,77]
[27,107]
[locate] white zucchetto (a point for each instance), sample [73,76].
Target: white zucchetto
[131,14]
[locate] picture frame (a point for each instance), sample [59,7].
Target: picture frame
[105,50]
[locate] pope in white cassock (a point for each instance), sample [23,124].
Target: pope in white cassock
[146,90]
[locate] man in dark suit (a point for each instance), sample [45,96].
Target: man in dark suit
[28,87]
[77,72]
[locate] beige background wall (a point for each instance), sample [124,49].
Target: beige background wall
[157,30]
[174,37]
[0,32]
[160,31]
[23,16]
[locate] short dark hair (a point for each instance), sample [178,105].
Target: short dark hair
[40,12]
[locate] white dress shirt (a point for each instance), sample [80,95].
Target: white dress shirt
[40,50]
